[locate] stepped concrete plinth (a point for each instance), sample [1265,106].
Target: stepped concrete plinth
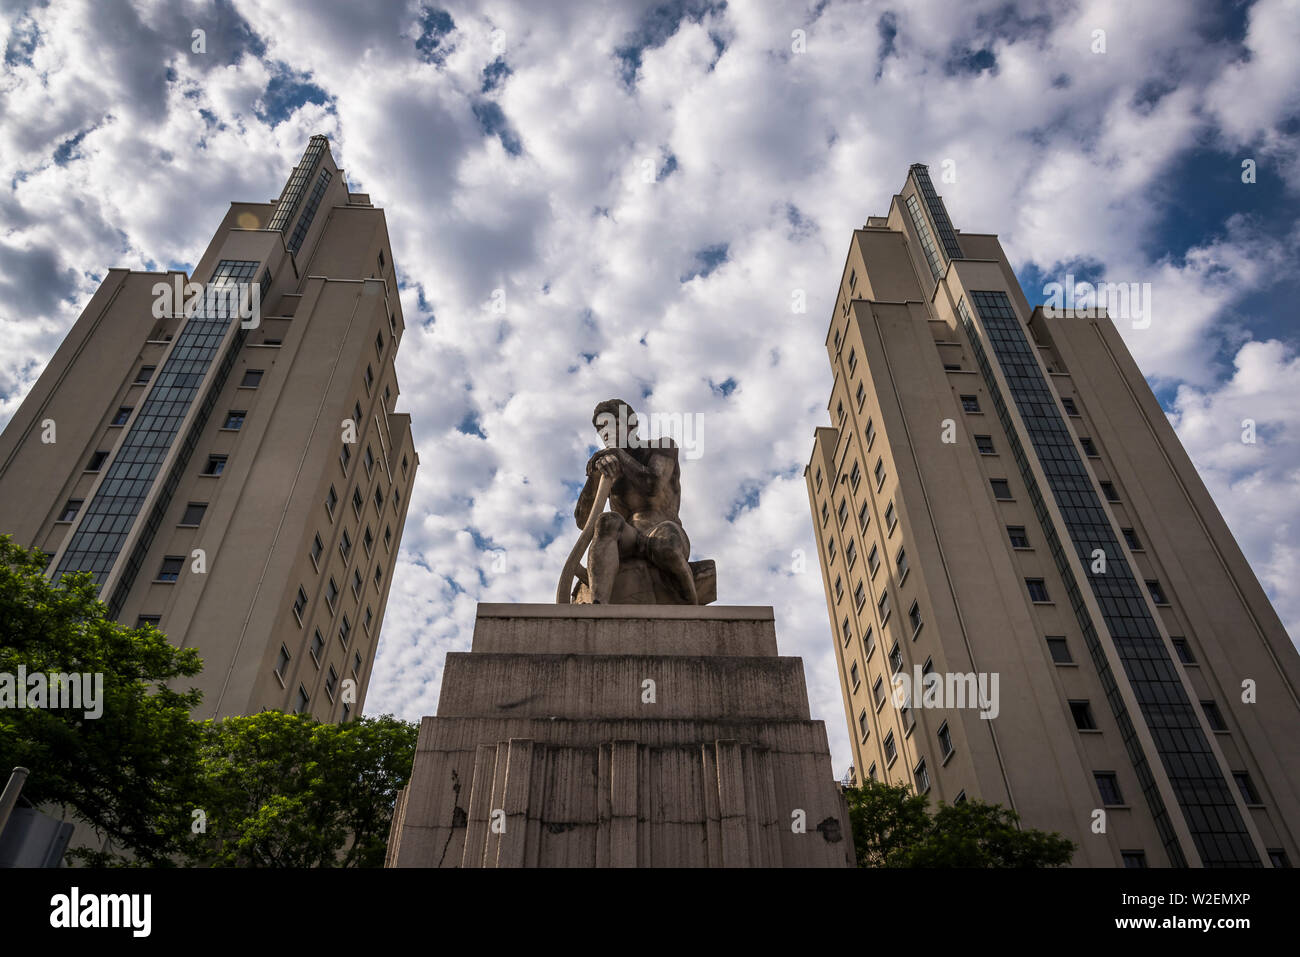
[621,736]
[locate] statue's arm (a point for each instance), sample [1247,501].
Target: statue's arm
[586,499]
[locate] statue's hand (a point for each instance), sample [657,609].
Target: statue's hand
[605,462]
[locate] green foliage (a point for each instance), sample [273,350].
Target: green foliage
[283,790]
[126,771]
[892,827]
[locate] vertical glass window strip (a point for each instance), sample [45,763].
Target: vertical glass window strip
[309,212]
[297,184]
[927,240]
[938,212]
[1200,785]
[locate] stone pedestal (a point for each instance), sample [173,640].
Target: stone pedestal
[621,736]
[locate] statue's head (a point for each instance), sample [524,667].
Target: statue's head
[615,421]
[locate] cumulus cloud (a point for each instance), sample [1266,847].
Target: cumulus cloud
[589,200]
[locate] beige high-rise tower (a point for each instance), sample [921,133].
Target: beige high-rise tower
[1006,519]
[230,467]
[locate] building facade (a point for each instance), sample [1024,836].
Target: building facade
[1034,600]
[222,453]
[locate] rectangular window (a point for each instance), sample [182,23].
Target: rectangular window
[861,395]
[356,664]
[171,568]
[358,501]
[194,513]
[345,630]
[1108,489]
[388,536]
[859,596]
[878,691]
[883,606]
[1184,651]
[71,509]
[1130,537]
[873,560]
[1134,859]
[96,461]
[331,682]
[1060,650]
[1108,788]
[317,645]
[1089,449]
[235,419]
[839,588]
[1001,490]
[1214,716]
[819,475]
[880,473]
[842,512]
[148,620]
[855,476]
[144,375]
[826,513]
[282,663]
[1157,593]
[863,728]
[368,540]
[356,415]
[358,582]
[960,798]
[914,618]
[303,700]
[216,465]
[1278,858]
[830,549]
[379,344]
[370,460]
[869,642]
[370,378]
[1081,711]
[1016,533]
[864,518]
[345,545]
[901,563]
[317,546]
[300,603]
[890,518]
[945,740]
[331,593]
[891,750]
[985,444]
[122,415]
[839,412]
[970,403]
[851,553]
[252,378]
[871,771]
[1069,406]
[895,659]
[331,499]
[853,675]
[379,499]
[1037,589]
[846,630]
[922,777]
[871,433]
[345,456]
[1247,787]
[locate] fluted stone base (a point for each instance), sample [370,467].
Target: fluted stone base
[621,736]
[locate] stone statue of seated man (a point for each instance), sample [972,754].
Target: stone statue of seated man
[642,527]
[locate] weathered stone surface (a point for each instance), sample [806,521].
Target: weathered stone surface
[718,771]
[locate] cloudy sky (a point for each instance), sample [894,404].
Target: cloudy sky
[649,184]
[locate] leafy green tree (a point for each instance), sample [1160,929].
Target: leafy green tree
[127,772]
[284,790]
[892,827]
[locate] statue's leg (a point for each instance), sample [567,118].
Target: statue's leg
[670,550]
[612,536]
